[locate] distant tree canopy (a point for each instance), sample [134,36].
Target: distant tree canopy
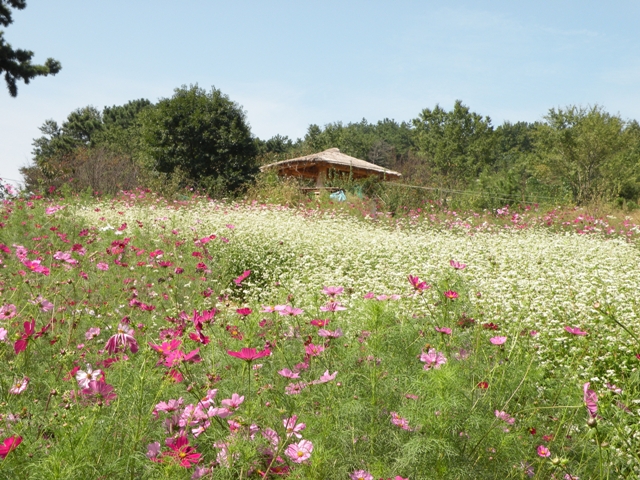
[201,138]
[202,134]
[16,63]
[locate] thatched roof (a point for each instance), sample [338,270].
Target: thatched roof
[312,166]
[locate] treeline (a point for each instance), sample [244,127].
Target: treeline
[202,139]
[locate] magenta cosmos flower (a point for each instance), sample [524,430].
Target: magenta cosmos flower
[99,392]
[445,330]
[451,295]
[9,444]
[122,340]
[242,277]
[418,284]
[590,400]
[250,354]
[361,475]
[299,452]
[457,265]
[575,331]
[182,452]
[498,340]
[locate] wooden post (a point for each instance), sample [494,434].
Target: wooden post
[322,175]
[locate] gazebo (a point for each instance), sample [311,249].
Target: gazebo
[317,165]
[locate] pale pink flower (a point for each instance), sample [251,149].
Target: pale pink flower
[232,403]
[445,330]
[337,333]
[498,340]
[332,307]
[333,291]
[399,421]
[369,296]
[325,378]
[99,392]
[361,475]
[7,312]
[92,332]
[613,388]
[3,334]
[292,427]
[84,377]
[457,265]
[432,359]
[102,266]
[299,452]
[290,311]
[44,304]
[504,416]
[285,372]
[543,451]
[19,386]
[272,436]
[153,450]
[219,412]
[294,388]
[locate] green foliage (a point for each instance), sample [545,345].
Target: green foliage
[584,148]
[204,134]
[457,144]
[16,63]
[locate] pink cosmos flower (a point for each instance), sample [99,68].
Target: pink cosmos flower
[432,359]
[250,354]
[102,266]
[99,392]
[19,387]
[457,265]
[7,312]
[445,330]
[272,436]
[333,291]
[504,416]
[313,350]
[399,421]
[498,340]
[232,403]
[288,310]
[44,304]
[21,344]
[54,209]
[418,284]
[332,307]
[294,388]
[451,295]
[169,406]
[122,340]
[176,357]
[3,334]
[288,373]
[181,451]
[613,388]
[591,400]
[543,451]
[575,331]
[221,412]
[8,445]
[84,377]
[325,378]
[92,332]
[238,281]
[361,475]
[316,322]
[292,427]
[299,452]
[244,311]
[35,266]
[167,347]
[369,296]
[153,450]
[330,334]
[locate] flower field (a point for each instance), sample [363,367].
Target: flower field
[145,338]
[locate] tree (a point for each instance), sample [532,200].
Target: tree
[16,64]
[458,144]
[586,149]
[202,135]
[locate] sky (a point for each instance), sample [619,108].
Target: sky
[293,63]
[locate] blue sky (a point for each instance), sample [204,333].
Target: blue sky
[293,63]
